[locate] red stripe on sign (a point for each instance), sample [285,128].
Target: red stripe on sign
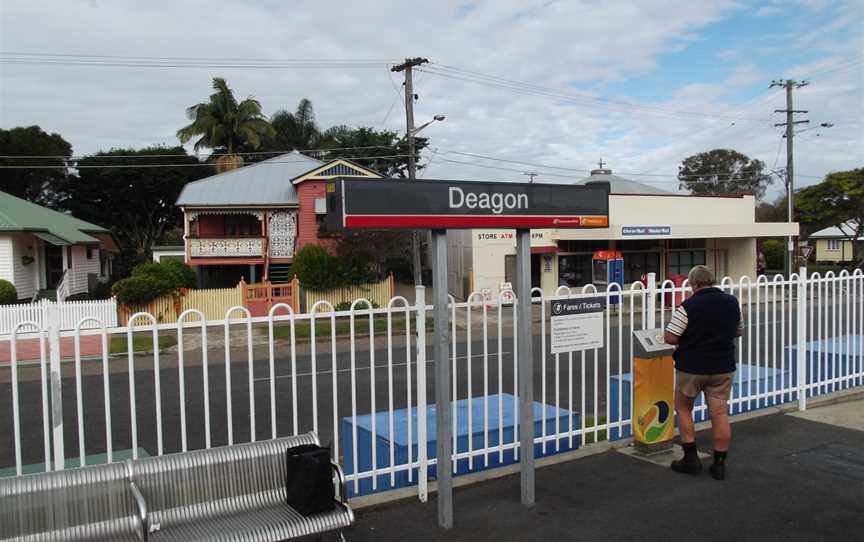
[473,221]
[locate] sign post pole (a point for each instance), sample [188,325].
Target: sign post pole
[441,351]
[525,356]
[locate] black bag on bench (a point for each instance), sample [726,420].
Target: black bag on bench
[309,479]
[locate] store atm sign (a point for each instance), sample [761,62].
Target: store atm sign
[398,203]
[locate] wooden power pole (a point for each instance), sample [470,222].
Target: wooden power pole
[407,67]
[790,123]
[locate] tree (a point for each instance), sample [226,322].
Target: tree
[723,172]
[836,201]
[137,204]
[385,151]
[291,131]
[225,125]
[772,212]
[34,184]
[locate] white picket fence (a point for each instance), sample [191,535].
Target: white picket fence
[71,313]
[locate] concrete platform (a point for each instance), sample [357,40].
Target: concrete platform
[788,478]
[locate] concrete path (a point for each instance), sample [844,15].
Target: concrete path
[789,478]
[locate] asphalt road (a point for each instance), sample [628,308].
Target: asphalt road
[313,384]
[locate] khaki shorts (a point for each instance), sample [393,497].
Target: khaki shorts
[717,386]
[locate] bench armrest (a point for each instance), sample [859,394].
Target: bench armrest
[142,510]
[340,478]
[140,503]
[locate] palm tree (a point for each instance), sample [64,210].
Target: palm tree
[224,124]
[295,130]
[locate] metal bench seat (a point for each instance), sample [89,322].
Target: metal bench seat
[273,522]
[229,493]
[89,503]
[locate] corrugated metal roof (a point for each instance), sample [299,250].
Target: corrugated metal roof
[18,215]
[264,183]
[835,232]
[620,185]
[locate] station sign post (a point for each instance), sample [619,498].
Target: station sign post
[439,205]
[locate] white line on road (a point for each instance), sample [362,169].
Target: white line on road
[384,366]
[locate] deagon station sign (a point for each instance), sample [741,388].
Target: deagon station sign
[434,204]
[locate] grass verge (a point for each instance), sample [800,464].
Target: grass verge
[140,343]
[303,329]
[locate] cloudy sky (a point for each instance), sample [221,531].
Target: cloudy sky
[541,86]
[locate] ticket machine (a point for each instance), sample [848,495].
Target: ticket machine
[653,391]
[607,268]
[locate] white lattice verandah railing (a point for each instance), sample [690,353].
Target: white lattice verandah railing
[236,247]
[359,380]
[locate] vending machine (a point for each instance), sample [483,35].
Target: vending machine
[608,268]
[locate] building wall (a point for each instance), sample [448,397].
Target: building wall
[81,268]
[26,276]
[307,223]
[844,254]
[741,257]
[6,272]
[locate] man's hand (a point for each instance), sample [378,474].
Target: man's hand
[670,338]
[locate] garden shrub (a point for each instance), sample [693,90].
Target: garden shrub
[152,280]
[8,293]
[317,269]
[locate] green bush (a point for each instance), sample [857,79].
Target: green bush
[8,293]
[173,272]
[317,269]
[151,280]
[362,306]
[140,289]
[774,253]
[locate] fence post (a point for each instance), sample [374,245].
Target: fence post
[651,310]
[801,346]
[422,440]
[52,313]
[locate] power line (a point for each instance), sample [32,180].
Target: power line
[197,164]
[198,154]
[199,58]
[532,89]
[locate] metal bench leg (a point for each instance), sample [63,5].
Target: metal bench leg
[340,536]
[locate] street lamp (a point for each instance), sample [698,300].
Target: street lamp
[438,118]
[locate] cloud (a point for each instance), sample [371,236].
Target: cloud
[561,45]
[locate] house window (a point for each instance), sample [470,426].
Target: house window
[834,245]
[69,257]
[680,262]
[90,252]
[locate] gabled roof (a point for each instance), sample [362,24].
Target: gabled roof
[266,183]
[18,215]
[339,167]
[842,231]
[620,185]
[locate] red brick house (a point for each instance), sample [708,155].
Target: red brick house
[249,222]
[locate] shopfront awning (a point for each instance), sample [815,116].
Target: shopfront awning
[545,250]
[52,239]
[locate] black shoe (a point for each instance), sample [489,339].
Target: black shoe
[718,471]
[687,467]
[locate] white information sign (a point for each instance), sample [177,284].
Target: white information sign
[577,324]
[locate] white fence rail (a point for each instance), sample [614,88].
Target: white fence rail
[71,312]
[359,380]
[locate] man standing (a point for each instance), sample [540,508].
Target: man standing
[704,328]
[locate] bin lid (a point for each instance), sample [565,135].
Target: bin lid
[649,344]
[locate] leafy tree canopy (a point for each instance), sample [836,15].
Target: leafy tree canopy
[136,203]
[723,172]
[836,201]
[383,151]
[226,125]
[37,185]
